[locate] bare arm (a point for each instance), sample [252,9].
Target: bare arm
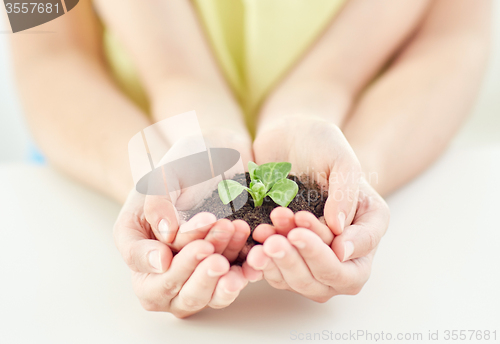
[406,117]
[167,44]
[78,116]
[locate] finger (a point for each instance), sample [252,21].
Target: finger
[262,232]
[319,257]
[283,220]
[343,188]
[132,239]
[308,220]
[196,228]
[238,240]
[159,289]
[250,273]
[258,260]
[368,228]
[344,278]
[228,288]
[197,292]
[148,256]
[293,268]
[220,234]
[162,216]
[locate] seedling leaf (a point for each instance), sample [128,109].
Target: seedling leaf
[283,192]
[229,190]
[271,172]
[251,169]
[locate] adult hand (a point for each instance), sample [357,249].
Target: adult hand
[333,254]
[318,149]
[299,254]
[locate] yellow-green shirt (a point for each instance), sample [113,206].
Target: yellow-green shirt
[255,42]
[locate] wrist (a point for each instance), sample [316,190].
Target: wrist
[216,109]
[319,99]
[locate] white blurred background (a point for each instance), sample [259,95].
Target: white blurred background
[482,127]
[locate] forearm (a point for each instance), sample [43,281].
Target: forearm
[82,127]
[174,62]
[358,42]
[408,117]
[316,98]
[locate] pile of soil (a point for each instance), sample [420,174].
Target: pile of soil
[309,198]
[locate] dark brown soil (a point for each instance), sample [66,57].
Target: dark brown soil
[309,198]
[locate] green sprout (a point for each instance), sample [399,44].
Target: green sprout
[266,180]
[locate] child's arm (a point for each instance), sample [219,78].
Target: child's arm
[397,127]
[400,123]
[406,119]
[175,63]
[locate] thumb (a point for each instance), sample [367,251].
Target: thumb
[343,190]
[370,224]
[162,216]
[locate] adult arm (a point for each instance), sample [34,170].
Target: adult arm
[405,118]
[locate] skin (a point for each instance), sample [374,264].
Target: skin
[427,56]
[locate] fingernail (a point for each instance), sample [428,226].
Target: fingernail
[279,254]
[299,244]
[201,256]
[213,273]
[194,226]
[341,217]
[264,266]
[163,228]
[238,288]
[281,222]
[237,236]
[154,259]
[348,250]
[222,235]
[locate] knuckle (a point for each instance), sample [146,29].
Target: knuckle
[170,289]
[328,277]
[303,285]
[190,303]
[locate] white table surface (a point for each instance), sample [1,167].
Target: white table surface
[63,281]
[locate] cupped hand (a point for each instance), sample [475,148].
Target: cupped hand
[300,254]
[317,258]
[197,277]
[167,213]
[317,149]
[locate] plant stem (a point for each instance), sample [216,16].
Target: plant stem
[256,200]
